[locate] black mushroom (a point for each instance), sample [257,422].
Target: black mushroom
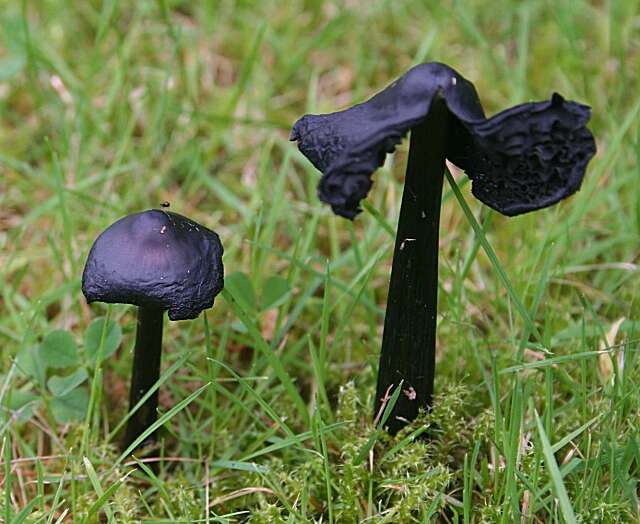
[525,158]
[159,261]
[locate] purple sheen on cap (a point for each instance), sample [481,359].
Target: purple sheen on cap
[156,259]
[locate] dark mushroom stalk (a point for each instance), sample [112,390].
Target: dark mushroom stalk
[147,354]
[525,158]
[159,261]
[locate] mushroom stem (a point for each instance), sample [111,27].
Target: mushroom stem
[409,338]
[145,373]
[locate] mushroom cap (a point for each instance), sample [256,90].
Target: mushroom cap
[156,259]
[522,159]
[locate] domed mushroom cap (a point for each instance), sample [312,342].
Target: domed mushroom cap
[156,258]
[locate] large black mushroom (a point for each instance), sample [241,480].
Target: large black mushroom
[159,261]
[525,158]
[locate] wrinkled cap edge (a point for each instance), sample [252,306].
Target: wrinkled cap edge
[363,161]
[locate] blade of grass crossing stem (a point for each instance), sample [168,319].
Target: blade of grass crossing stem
[364,451]
[461,183]
[486,246]
[554,472]
[163,378]
[272,358]
[158,423]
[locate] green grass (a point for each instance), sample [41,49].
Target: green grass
[108,108]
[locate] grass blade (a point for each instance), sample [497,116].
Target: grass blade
[272,358]
[554,473]
[160,422]
[486,246]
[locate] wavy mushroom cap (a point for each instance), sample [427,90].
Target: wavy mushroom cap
[522,159]
[156,258]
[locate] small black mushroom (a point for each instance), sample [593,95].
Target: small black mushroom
[159,261]
[525,158]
